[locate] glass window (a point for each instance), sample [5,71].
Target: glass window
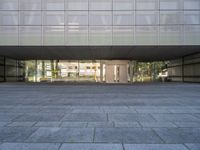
[53,4]
[30,35]
[76,35]
[100,35]
[30,18]
[8,4]
[146,35]
[53,18]
[170,17]
[146,18]
[123,35]
[30,5]
[146,4]
[77,18]
[170,35]
[191,17]
[123,17]
[123,4]
[8,35]
[192,35]
[191,4]
[53,35]
[77,4]
[100,4]
[100,18]
[8,17]
[170,4]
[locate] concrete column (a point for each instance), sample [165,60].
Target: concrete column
[35,70]
[43,69]
[56,67]
[135,71]
[4,69]
[131,71]
[183,69]
[101,71]
[110,73]
[123,74]
[78,73]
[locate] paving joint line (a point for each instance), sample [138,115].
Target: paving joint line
[94,134]
[60,146]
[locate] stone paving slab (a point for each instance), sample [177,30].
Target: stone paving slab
[188,124]
[154,147]
[118,109]
[25,109]
[91,147]
[54,134]
[86,117]
[56,110]
[100,124]
[130,117]
[6,117]
[3,124]
[40,117]
[47,124]
[176,117]
[74,124]
[87,110]
[152,110]
[91,114]
[29,146]
[21,124]
[197,115]
[15,134]
[195,146]
[179,135]
[184,110]
[157,124]
[127,124]
[126,135]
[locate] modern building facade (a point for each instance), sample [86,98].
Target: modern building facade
[144,30]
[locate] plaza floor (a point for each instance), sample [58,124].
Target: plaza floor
[153,116]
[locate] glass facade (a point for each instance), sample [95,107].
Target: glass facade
[62,70]
[99,22]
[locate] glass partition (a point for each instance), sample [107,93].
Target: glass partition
[76,35]
[31,35]
[30,4]
[123,35]
[9,35]
[9,5]
[9,18]
[30,18]
[123,5]
[53,35]
[97,22]
[123,18]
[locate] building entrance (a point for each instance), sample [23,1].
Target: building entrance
[106,71]
[77,71]
[116,72]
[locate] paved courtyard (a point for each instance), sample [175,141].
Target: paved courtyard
[99,117]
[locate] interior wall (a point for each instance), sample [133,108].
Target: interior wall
[186,69]
[11,70]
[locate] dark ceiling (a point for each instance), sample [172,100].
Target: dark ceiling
[141,53]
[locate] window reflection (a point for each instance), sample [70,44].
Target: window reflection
[62,70]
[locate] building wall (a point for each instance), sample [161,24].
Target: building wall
[11,70]
[99,22]
[186,69]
